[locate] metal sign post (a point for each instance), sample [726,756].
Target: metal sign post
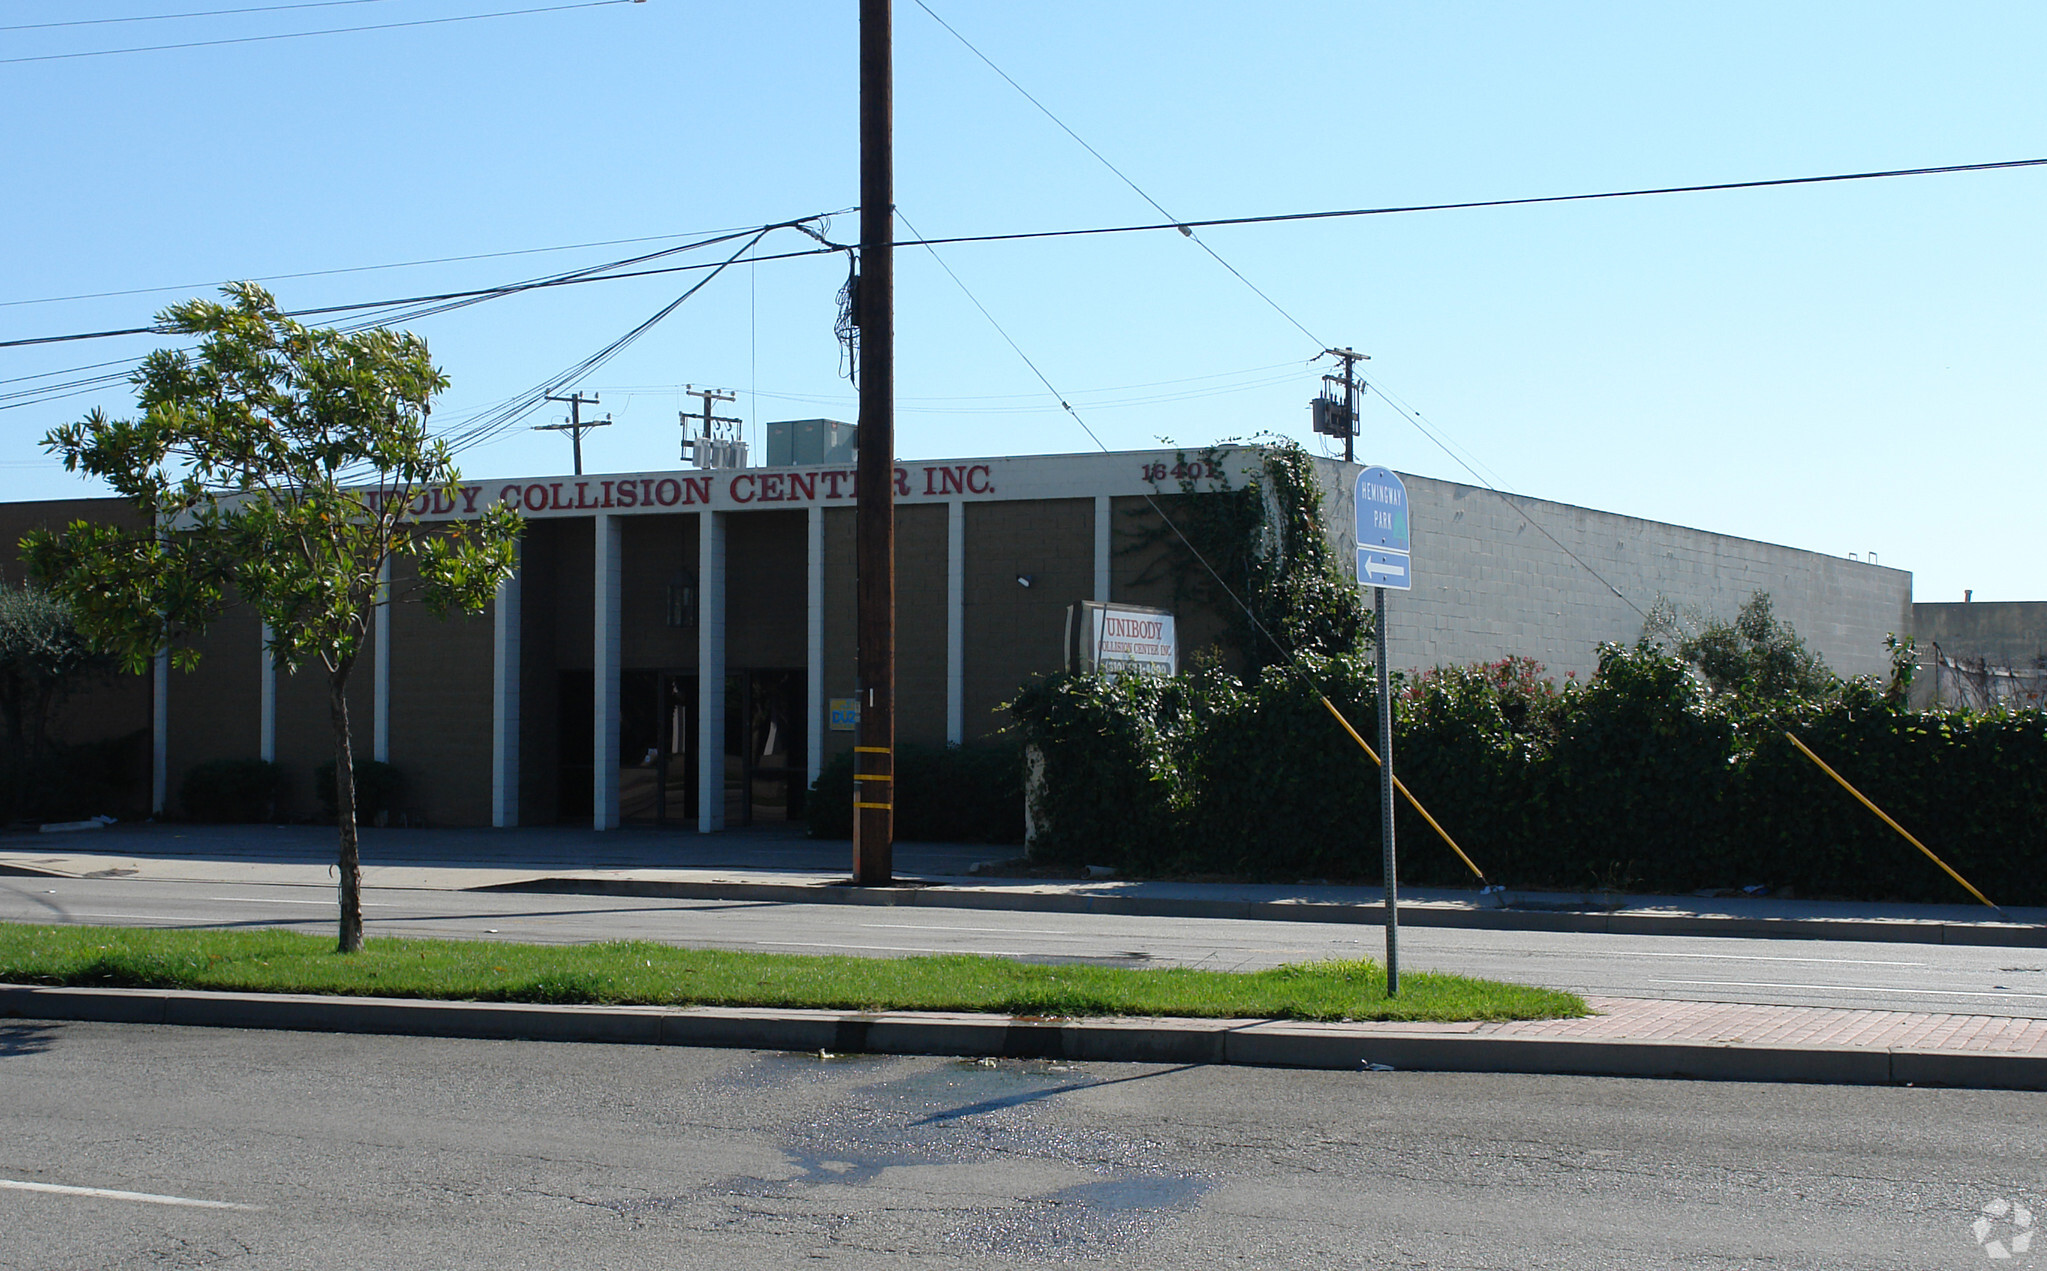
[1385,561]
[1388,859]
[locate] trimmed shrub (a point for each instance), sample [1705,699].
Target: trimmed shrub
[232,790]
[948,794]
[378,789]
[69,783]
[1641,779]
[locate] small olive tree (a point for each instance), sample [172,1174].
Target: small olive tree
[277,463]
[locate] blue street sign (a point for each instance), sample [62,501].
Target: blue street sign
[1382,511]
[1391,570]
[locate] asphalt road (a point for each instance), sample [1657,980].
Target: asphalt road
[1855,974]
[346,1151]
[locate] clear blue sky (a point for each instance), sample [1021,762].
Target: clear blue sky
[1846,368]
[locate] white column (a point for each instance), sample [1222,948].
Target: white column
[504,702]
[380,671]
[710,671]
[266,728]
[160,736]
[813,609]
[1102,525]
[955,621]
[604,673]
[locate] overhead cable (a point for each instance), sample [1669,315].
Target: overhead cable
[1395,210]
[396,264]
[1288,656]
[302,35]
[1022,236]
[1178,224]
[1408,413]
[169,17]
[498,420]
[592,273]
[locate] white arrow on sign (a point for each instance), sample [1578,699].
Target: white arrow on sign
[1385,569]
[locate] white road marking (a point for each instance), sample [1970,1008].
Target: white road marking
[148,1198]
[265,900]
[1765,957]
[998,931]
[178,918]
[880,948]
[1900,989]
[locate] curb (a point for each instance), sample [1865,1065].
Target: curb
[1255,1043]
[1623,923]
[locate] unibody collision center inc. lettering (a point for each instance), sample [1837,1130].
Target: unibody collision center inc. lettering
[724,490]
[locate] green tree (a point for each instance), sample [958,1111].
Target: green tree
[1757,657]
[278,463]
[43,658]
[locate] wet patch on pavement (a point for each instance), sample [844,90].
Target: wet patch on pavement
[994,1142]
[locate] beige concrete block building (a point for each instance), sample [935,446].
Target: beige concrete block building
[677,647]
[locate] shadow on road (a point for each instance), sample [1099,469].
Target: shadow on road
[21,1037]
[1033,1096]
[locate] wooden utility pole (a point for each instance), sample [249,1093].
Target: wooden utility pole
[575,427]
[875,534]
[705,451]
[1350,359]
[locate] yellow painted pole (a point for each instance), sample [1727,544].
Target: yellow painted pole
[1411,800]
[1864,799]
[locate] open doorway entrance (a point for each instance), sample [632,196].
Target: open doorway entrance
[657,744]
[765,745]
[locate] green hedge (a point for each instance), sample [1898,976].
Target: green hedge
[1642,778]
[70,783]
[949,794]
[232,790]
[378,789]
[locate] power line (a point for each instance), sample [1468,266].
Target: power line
[69,370]
[972,397]
[1507,497]
[389,312]
[1406,412]
[1289,656]
[592,273]
[1345,213]
[301,35]
[168,17]
[397,264]
[1182,226]
[490,424]
[1027,235]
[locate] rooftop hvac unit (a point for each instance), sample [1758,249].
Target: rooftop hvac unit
[798,443]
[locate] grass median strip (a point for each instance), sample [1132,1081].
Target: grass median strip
[644,973]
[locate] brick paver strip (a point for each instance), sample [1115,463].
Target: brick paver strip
[1640,1019]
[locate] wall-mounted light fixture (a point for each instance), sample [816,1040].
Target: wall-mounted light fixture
[682,599]
[1025,580]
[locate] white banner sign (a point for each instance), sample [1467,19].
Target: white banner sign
[1129,638]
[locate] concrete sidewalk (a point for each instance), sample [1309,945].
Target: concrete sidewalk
[778,864]
[1629,1037]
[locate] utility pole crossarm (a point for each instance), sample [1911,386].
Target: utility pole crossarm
[575,427]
